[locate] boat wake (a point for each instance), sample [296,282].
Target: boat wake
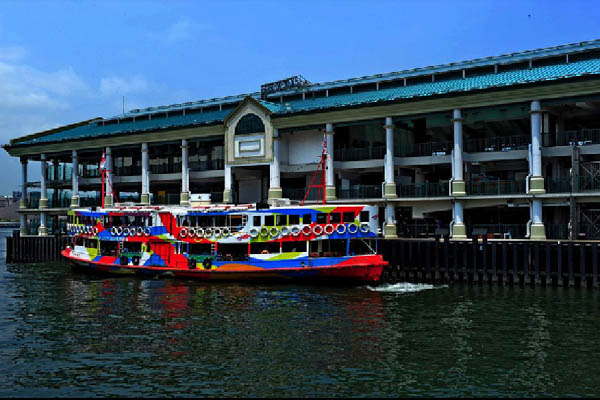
[404,287]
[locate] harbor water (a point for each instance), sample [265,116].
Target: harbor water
[67,333]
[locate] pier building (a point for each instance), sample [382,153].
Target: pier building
[508,145]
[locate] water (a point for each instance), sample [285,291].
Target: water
[64,333]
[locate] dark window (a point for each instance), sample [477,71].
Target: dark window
[321,218]
[335,218]
[364,216]
[293,247]
[249,123]
[256,220]
[348,217]
[306,219]
[294,219]
[281,220]
[269,220]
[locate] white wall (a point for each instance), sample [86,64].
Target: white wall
[304,147]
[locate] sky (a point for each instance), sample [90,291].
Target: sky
[66,61]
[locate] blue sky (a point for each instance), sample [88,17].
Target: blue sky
[66,61]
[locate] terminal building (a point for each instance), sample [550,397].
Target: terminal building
[508,144]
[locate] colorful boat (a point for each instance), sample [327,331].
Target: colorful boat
[317,243]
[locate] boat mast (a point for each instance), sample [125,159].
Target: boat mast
[322,167]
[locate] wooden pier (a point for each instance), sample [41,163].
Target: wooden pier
[492,262]
[34,249]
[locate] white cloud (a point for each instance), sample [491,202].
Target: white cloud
[116,85]
[184,29]
[12,53]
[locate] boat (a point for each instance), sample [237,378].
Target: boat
[316,243]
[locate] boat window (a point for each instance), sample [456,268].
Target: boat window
[281,220]
[335,218]
[294,219]
[321,218]
[263,248]
[108,248]
[235,222]
[293,247]
[269,220]
[219,220]
[199,249]
[205,221]
[256,220]
[91,243]
[348,217]
[306,219]
[233,251]
[131,247]
[364,216]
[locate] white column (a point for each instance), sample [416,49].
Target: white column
[389,187]
[329,176]
[536,180]
[459,231]
[145,197]
[458,183]
[389,228]
[227,192]
[75,180]
[43,230]
[185,177]
[23,202]
[275,191]
[108,199]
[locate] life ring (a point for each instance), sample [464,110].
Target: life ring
[273,232]
[265,251]
[140,231]
[147,231]
[285,231]
[119,230]
[329,229]
[192,232]
[225,232]
[364,227]
[192,263]
[207,263]
[253,232]
[340,229]
[199,232]
[217,232]
[208,232]
[352,229]
[295,230]
[318,230]
[95,230]
[264,232]
[126,231]
[306,230]
[183,233]
[113,230]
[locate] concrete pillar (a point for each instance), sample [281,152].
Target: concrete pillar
[537,230]
[23,225]
[108,198]
[458,183]
[389,186]
[228,178]
[185,175]
[536,180]
[459,230]
[329,176]
[75,180]
[275,191]
[145,197]
[389,227]
[43,230]
[23,202]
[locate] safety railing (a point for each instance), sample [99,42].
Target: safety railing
[499,187]
[578,138]
[497,143]
[361,192]
[358,154]
[426,189]
[423,149]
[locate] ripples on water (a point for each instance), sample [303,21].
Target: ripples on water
[65,333]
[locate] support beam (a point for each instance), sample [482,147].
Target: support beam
[227,198]
[458,184]
[275,191]
[459,231]
[329,176]
[23,202]
[185,175]
[145,197]
[536,180]
[389,228]
[537,231]
[108,198]
[43,191]
[75,180]
[389,186]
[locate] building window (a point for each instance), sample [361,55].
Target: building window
[249,123]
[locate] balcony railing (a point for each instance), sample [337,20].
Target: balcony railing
[427,189]
[414,230]
[578,138]
[500,231]
[207,165]
[165,169]
[423,149]
[587,183]
[498,143]
[558,185]
[132,170]
[557,231]
[490,188]
[361,192]
[298,194]
[357,154]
